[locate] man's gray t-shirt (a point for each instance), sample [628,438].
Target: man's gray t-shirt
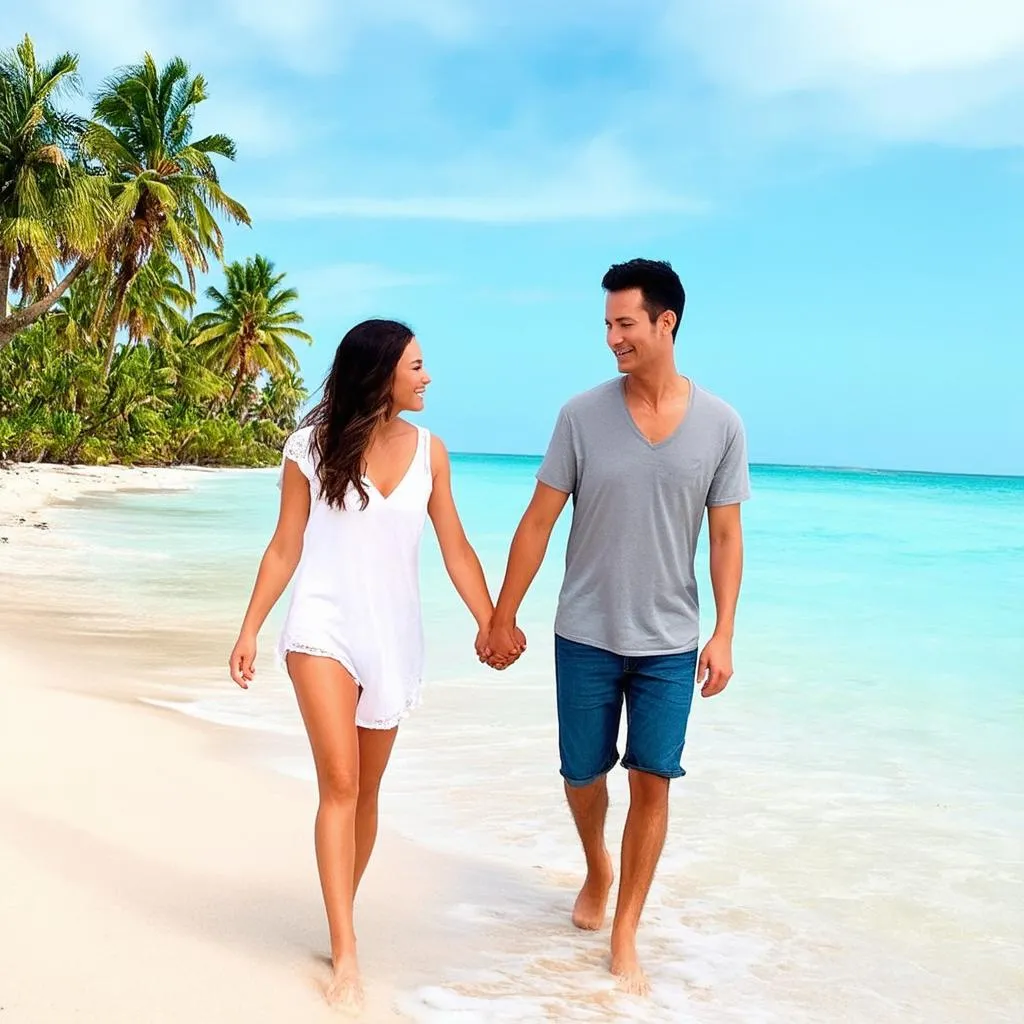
[629,583]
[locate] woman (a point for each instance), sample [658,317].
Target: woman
[357,484]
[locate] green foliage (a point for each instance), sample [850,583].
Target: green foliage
[159,405]
[165,191]
[103,225]
[53,211]
[248,330]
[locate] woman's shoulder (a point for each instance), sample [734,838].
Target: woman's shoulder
[299,448]
[423,436]
[412,428]
[434,453]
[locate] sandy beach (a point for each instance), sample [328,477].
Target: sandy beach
[153,870]
[823,862]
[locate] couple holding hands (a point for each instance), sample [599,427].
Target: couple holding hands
[643,456]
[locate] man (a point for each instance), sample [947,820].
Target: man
[642,456]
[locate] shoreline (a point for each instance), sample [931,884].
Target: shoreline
[27,490]
[160,869]
[172,844]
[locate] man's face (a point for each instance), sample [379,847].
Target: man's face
[635,340]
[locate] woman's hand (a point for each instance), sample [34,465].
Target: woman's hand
[276,569]
[483,650]
[504,645]
[242,662]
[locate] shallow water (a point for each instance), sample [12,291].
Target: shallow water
[848,842]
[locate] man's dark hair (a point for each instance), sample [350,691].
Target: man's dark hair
[658,283]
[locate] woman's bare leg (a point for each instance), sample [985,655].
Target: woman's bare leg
[327,697]
[375,747]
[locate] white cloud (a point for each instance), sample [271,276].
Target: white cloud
[720,87]
[294,22]
[495,209]
[770,46]
[446,20]
[312,36]
[308,36]
[259,126]
[894,70]
[599,182]
[108,35]
[347,281]
[105,33]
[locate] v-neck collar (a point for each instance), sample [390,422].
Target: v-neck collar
[655,445]
[405,475]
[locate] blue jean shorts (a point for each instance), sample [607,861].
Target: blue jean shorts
[591,686]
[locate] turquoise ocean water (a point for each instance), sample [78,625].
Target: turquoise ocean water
[848,842]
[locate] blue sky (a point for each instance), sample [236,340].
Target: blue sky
[840,185]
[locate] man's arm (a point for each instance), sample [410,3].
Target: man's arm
[529,546]
[725,533]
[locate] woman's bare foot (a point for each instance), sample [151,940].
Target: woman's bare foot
[345,989]
[626,967]
[592,902]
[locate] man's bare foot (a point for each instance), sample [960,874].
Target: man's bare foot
[592,902]
[345,989]
[626,967]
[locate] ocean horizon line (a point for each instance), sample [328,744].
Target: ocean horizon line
[811,467]
[1013,478]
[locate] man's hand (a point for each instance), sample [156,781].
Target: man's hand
[715,667]
[503,647]
[484,654]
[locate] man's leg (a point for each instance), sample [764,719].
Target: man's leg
[642,843]
[659,693]
[589,806]
[589,691]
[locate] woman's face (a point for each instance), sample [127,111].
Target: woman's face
[410,381]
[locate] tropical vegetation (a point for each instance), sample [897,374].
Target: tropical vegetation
[106,222]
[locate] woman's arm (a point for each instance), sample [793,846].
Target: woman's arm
[460,560]
[276,570]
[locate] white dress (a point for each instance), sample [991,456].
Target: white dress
[356,594]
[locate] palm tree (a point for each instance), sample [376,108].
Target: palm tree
[281,399]
[166,191]
[248,330]
[52,212]
[157,302]
[72,314]
[198,386]
[104,227]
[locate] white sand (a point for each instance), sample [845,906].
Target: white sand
[26,488]
[151,869]
[26,491]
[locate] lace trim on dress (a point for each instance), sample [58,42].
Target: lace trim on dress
[297,448]
[411,704]
[316,652]
[390,722]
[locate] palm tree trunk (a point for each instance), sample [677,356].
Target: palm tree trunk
[5,281]
[243,364]
[12,323]
[239,380]
[102,299]
[115,320]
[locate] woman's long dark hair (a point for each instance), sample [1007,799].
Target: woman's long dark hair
[356,399]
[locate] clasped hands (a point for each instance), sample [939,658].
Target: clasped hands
[500,645]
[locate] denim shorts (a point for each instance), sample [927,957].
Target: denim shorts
[591,685]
